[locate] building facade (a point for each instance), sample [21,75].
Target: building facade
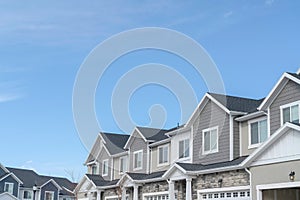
[231,148]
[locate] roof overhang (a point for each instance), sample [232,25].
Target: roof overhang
[250,116]
[135,130]
[7,194]
[14,177]
[54,183]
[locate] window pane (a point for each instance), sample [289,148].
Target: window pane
[166,152]
[160,155]
[263,131]
[135,160]
[181,147]
[187,148]
[206,141]
[286,114]
[295,114]
[254,133]
[214,138]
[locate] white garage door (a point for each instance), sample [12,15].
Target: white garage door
[225,195]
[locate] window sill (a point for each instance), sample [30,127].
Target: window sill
[210,152]
[136,169]
[163,164]
[252,146]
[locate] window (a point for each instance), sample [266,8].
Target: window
[163,154]
[9,187]
[49,195]
[210,140]
[184,148]
[290,113]
[94,169]
[27,194]
[123,164]
[258,132]
[105,168]
[137,158]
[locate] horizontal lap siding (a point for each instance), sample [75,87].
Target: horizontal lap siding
[236,139]
[290,93]
[138,144]
[211,115]
[104,156]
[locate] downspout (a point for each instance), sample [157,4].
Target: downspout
[250,181]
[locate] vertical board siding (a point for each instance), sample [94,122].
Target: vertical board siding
[211,115]
[290,93]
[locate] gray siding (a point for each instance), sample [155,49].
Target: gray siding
[236,139]
[211,115]
[104,156]
[10,179]
[290,93]
[138,144]
[2,172]
[49,187]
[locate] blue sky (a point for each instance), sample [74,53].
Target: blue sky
[43,43]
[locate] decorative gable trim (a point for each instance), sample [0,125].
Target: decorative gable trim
[14,177]
[136,130]
[51,180]
[4,168]
[8,194]
[277,89]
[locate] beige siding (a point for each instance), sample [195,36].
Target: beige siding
[154,160]
[104,156]
[290,93]
[116,168]
[138,144]
[211,115]
[275,173]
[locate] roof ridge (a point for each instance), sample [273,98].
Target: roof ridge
[240,97]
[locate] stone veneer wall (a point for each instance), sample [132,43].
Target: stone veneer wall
[111,192]
[161,186]
[230,179]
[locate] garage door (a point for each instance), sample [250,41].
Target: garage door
[226,195]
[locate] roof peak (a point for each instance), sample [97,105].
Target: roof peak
[226,95]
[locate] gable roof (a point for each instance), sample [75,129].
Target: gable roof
[6,195]
[278,87]
[143,176]
[153,134]
[98,180]
[114,142]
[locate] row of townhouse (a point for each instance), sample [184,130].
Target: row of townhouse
[24,184]
[231,148]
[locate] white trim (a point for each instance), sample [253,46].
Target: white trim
[178,156]
[54,182]
[289,105]
[168,158]
[160,142]
[126,165]
[10,186]
[103,165]
[6,193]
[269,122]
[196,113]
[192,144]
[224,189]
[50,192]
[114,197]
[250,145]
[273,186]
[148,158]
[129,139]
[23,193]
[250,116]
[231,132]
[210,151]
[141,167]
[218,103]
[240,135]
[155,194]
[276,160]
[112,169]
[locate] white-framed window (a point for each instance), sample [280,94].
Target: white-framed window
[210,140]
[123,164]
[94,169]
[258,131]
[158,196]
[137,160]
[27,194]
[184,148]
[290,112]
[9,187]
[163,154]
[49,195]
[105,167]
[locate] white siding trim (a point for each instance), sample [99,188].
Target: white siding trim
[214,151]
[240,133]
[231,139]
[224,189]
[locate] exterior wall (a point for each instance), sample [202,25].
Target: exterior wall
[104,156]
[116,167]
[175,146]
[275,173]
[138,144]
[49,187]
[236,139]
[211,116]
[290,93]
[112,192]
[161,186]
[230,179]
[2,172]
[10,179]
[154,160]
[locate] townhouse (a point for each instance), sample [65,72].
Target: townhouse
[26,184]
[231,148]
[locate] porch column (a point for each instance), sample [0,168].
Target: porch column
[171,190]
[123,193]
[99,195]
[188,193]
[135,192]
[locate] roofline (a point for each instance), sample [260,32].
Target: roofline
[219,169]
[86,161]
[285,75]
[247,162]
[250,116]
[175,131]
[120,154]
[79,184]
[131,135]
[160,142]
[6,193]
[174,166]
[4,168]
[195,111]
[13,175]
[53,181]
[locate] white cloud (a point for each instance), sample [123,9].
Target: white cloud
[228,14]
[9,97]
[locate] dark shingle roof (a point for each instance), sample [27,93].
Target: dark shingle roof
[153,133]
[99,181]
[31,178]
[200,167]
[239,104]
[294,75]
[115,142]
[142,176]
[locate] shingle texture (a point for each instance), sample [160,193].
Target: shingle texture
[142,176]
[200,167]
[239,104]
[294,75]
[153,133]
[115,142]
[99,181]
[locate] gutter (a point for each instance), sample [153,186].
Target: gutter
[250,181]
[250,116]
[160,142]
